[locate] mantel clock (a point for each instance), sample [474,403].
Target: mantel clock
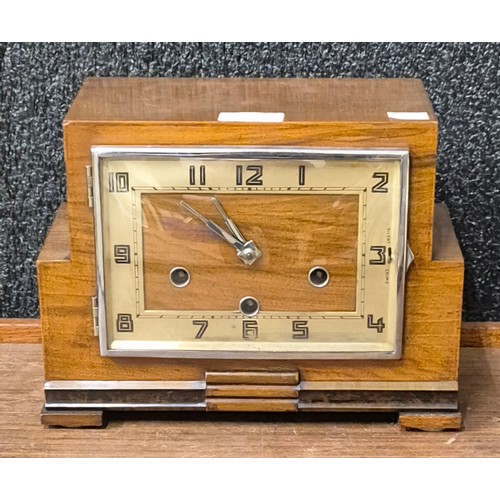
[251,245]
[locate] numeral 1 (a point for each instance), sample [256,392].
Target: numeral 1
[302,175]
[192,175]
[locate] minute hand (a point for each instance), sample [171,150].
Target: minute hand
[247,251]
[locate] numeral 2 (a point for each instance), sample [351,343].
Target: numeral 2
[253,180]
[384,179]
[301,328]
[379,325]
[203,324]
[192,175]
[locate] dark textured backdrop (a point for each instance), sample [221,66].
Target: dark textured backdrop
[39,81]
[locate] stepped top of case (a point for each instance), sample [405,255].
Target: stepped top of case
[301,100]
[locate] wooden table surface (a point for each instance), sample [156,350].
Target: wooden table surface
[241,435]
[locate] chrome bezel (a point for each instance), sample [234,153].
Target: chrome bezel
[237,152]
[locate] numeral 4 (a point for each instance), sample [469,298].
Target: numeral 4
[379,325]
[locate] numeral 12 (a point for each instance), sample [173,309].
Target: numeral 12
[253,180]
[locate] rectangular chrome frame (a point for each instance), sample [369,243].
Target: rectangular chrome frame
[245,152]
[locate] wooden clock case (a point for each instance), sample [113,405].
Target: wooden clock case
[80,384]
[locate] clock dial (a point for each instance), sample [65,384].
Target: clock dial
[257,252]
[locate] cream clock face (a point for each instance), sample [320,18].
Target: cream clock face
[261,253]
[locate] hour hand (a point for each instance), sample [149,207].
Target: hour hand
[247,251]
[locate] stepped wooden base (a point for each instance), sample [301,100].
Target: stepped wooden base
[424,406]
[72,418]
[430,421]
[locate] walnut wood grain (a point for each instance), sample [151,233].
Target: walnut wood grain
[251,391]
[287,254]
[26,330]
[202,99]
[56,245]
[251,404]
[56,248]
[433,421]
[244,435]
[100,116]
[446,247]
[432,331]
[279,377]
[75,419]
[419,137]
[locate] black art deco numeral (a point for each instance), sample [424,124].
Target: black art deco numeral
[379,325]
[192,175]
[122,254]
[302,175]
[124,323]
[254,179]
[380,251]
[250,330]
[384,179]
[301,328]
[203,324]
[118,182]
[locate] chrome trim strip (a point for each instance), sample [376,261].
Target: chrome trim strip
[379,386]
[242,152]
[129,406]
[140,385]
[382,406]
[99,252]
[402,252]
[125,385]
[290,355]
